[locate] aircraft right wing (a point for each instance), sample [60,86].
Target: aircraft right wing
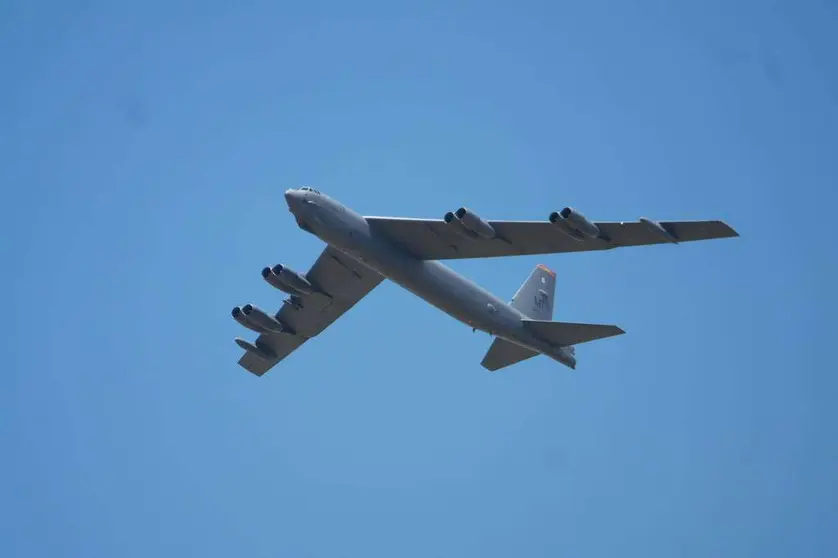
[340,281]
[438,239]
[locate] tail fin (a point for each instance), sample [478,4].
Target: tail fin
[534,298]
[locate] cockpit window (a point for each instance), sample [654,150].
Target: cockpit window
[308,189]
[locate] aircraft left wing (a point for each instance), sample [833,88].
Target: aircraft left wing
[340,283]
[442,239]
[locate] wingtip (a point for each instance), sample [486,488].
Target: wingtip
[732,233]
[616,330]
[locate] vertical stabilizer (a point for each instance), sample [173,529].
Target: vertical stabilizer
[534,298]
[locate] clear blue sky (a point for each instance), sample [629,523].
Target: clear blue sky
[144,152]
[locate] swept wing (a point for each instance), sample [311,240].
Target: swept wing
[436,239]
[340,282]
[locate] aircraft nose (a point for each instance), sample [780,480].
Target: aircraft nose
[291,197]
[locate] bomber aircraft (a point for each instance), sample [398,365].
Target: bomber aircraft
[363,251]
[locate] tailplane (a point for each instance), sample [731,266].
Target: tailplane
[503,353]
[566,334]
[534,299]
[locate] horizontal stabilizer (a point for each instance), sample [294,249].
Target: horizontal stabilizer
[565,334]
[503,353]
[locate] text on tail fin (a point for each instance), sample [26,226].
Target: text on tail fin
[535,296]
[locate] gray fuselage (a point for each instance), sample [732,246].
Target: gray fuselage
[439,285]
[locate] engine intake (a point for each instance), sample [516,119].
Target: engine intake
[287,280]
[240,317]
[262,319]
[472,222]
[575,221]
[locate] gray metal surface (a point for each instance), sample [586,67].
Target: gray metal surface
[433,239]
[536,296]
[362,251]
[503,353]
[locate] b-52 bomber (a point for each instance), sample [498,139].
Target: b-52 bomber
[363,251]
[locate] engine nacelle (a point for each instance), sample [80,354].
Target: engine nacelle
[287,280]
[457,225]
[474,223]
[259,349]
[262,319]
[239,316]
[575,221]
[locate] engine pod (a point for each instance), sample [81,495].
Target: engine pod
[561,224]
[240,317]
[474,223]
[579,222]
[262,319]
[287,280]
[292,279]
[457,226]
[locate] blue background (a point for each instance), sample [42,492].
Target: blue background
[145,149]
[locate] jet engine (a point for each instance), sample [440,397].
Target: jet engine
[575,222]
[239,316]
[262,319]
[475,224]
[259,349]
[287,280]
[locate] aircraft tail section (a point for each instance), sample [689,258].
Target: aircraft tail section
[503,353]
[535,296]
[533,299]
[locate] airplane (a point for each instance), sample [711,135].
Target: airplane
[362,251]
